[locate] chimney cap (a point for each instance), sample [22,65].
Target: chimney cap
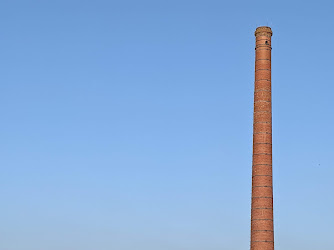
[263,31]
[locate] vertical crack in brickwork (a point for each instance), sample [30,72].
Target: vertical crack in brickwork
[262,223]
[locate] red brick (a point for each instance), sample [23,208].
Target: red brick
[262,228]
[258,214]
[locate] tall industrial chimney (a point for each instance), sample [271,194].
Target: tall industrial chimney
[262,224]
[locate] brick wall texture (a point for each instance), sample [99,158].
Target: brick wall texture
[262,224]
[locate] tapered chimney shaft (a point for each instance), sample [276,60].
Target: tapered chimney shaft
[262,224]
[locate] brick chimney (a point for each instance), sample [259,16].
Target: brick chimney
[262,224]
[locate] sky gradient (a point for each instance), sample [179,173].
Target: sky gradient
[127,125]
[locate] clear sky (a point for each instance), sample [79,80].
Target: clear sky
[127,125]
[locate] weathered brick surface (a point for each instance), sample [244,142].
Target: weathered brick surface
[262,228]
[262,202]
[258,214]
[262,95]
[262,235]
[261,180]
[259,225]
[262,245]
[261,116]
[262,170]
[263,84]
[262,106]
[262,191]
[262,127]
[263,54]
[263,73]
[263,148]
[261,158]
[262,64]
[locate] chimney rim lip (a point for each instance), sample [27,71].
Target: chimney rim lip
[263,30]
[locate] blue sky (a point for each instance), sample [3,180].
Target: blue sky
[127,125]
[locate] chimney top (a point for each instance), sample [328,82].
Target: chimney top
[263,31]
